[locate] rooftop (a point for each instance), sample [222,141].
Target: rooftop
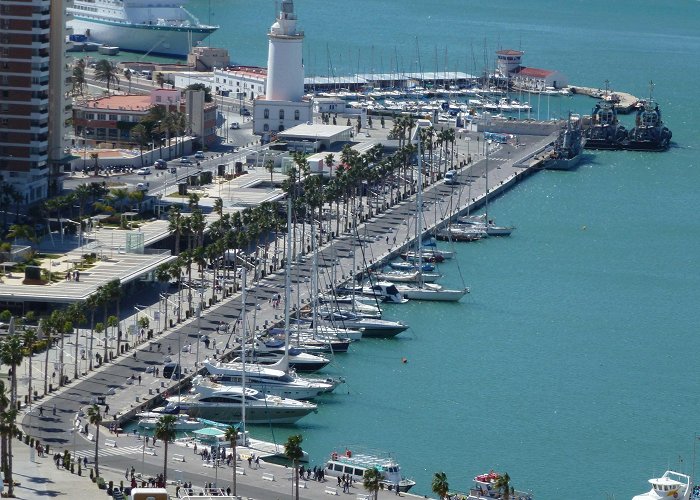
[121,102]
[314,130]
[534,72]
[509,52]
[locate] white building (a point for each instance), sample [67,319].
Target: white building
[244,82]
[510,66]
[313,137]
[283,105]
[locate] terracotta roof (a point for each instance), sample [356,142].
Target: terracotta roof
[510,52]
[122,102]
[254,71]
[534,72]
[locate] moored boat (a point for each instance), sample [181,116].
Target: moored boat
[165,27]
[491,485]
[355,465]
[605,131]
[649,133]
[568,146]
[671,485]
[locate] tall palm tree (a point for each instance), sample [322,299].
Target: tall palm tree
[165,431]
[106,71]
[371,480]
[77,317]
[440,486]
[113,289]
[95,418]
[502,484]
[11,355]
[231,435]
[92,303]
[8,429]
[293,451]
[175,225]
[127,75]
[78,78]
[29,338]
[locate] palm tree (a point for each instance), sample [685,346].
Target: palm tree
[113,289]
[440,486]
[95,418]
[11,355]
[29,338]
[160,79]
[371,480]
[127,75]
[175,225]
[293,451]
[77,317]
[231,435]
[106,71]
[78,78]
[8,429]
[165,431]
[502,484]
[92,303]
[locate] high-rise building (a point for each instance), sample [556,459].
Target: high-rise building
[283,105]
[34,107]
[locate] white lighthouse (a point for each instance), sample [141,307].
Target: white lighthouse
[283,105]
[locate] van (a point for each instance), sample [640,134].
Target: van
[147,74]
[171,370]
[451,177]
[160,164]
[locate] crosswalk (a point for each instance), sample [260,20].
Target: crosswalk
[105,451]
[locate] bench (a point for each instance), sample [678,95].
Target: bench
[111,442]
[268,477]
[149,451]
[330,491]
[178,458]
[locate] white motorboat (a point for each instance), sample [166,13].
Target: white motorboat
[461,232]
[369,327]
[299,360]
[384,291]
[671,485]
[355,465]
[269,380]
[164,27]
[225,404]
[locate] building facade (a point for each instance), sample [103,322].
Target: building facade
[34,79]
[509,66]
[244,82]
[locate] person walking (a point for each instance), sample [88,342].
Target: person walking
[41,411]
[54,409]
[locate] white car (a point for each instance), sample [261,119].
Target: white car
[199,155]
[142,186]
[143,171]
[186,160]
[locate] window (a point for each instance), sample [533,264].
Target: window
[112,117]
[281,114]
[281,128]
[101,116]
[296,114]
[266,128]
[266,113]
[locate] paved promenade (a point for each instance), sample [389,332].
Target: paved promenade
[129,384]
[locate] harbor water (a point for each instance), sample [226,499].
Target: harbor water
[570,365]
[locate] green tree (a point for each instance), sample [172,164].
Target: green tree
[165,431]
[201,86]
[231,436]
[8,429]
[106,71]
[440,486]
[95,418]
[11,355]
[293,451]
[502,484]
[371,480]
[29,338]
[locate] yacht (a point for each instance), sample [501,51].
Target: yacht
[299,360]
[149,420]
[485,489]
[156,27]
[225,404]
[370,327]
[269,380]
[671,485]
[355,465]
[431,291]
[384,291]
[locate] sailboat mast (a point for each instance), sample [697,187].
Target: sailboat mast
[287,283]
[314,279]
[487,143]
[243,339]
[419,209]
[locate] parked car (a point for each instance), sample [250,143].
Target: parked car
[142,186]
[186,160]
[199,155]
[143,171]
[235,125]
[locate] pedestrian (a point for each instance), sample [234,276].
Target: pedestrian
[387,240]
[396,488]
[106,409]
[126,473]
[54,409]
[85,462]
[250,461]
[257,462]
[41,411]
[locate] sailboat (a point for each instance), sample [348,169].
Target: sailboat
[422,290]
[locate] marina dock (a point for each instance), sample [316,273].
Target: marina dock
[626,104]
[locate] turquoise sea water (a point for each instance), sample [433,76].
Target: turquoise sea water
[571,365]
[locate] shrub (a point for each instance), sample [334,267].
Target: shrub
[5,316]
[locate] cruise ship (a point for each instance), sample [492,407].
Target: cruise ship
[161,27]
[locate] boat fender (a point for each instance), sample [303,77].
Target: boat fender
[334,456]
[404,360]
[348,453]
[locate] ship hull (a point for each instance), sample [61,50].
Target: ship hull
[646,146]
[563,163]
[162,40]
